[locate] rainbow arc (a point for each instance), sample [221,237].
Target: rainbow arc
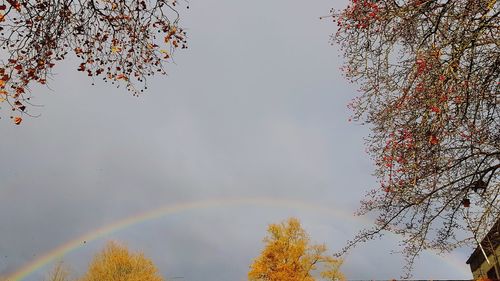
[172,209]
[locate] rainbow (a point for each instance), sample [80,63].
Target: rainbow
[166,210]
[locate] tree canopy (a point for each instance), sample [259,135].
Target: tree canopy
[59,273]
[429,81]
[116,262]
[289,256]
[120,41]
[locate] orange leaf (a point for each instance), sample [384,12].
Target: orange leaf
[116,49]
[433,140]
[18,120]
[121,76]
[435,109]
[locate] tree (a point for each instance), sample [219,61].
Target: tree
[429,76]
[117,40]
[289,256]
[59,273]
[115,262]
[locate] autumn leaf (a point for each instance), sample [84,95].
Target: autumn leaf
[121,76]
[116,49]
[15,4]
[165,52]
[433,140]
[17,120]
[466,202]
[435,109]
[491,4]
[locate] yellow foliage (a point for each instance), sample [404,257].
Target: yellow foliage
[116,49]
[289,256]
[484,279]
[116,263]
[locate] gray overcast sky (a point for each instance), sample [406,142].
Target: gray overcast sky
[256,107]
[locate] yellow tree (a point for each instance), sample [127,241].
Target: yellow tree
[117,263]
[289,256]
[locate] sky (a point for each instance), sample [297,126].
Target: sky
[255,108]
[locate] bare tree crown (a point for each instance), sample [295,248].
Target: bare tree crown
[429,72]
[117,40]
